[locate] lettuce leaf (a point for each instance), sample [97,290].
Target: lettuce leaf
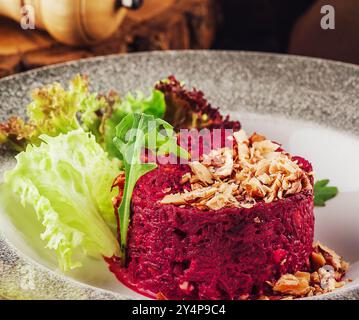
[133,134]
[190,109]
[152,105]
[54,110]
[67,180]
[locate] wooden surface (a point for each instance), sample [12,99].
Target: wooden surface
[158,25]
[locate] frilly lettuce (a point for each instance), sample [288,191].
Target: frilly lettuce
[67,179]
[55,110]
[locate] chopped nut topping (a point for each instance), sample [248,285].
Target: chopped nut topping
[227,168]
[326,277]
[257,220]
[253,171]
[296,285]
[201,172]
[186,178]
[318,259]
[173,199]
[330,256]
[167,190]
[199,193]
[256,138]
[240,136]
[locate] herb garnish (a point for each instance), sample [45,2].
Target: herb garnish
[135,133]
[323,192]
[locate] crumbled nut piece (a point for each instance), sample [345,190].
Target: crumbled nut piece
[161,296]
[264,147]
[327,280]
[257,220]
[223,197]
[227,168]
[314,277]
[264,178]
[303,275]
[176,199]
[292,285]
[185,178]
[201,172]
[317,259]
[167,190]
[199,194]
[240,136]
[339,284]
[255,189]
[217,202]
[186,287]
[331,257]
[256,138]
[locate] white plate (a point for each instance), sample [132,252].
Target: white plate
[334,153]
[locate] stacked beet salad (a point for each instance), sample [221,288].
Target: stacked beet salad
[236,223]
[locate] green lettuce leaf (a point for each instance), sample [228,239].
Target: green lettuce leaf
[154,105]
[67,180]
[133,134]
[55,110]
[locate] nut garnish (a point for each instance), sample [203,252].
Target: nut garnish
[202,172]
[254,170]
[331,257]
[173,199]
[329,271]
[296,285]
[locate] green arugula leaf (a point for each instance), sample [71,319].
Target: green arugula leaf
[323,192]
[153,105]
[133,134]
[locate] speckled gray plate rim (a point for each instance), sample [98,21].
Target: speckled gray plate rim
[324,92]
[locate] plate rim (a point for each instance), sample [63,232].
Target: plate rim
[93,292]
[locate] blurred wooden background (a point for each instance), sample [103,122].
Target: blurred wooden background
[280,26]
[158,25]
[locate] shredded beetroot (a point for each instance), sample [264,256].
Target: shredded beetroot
[184,253]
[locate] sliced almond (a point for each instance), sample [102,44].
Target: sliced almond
[176,199]
[292,285]
[201,172]
[255,137]
[227,168]
[255,189]
[199,193]
[185,178]
[240,136]
[317,259]
[330,256]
